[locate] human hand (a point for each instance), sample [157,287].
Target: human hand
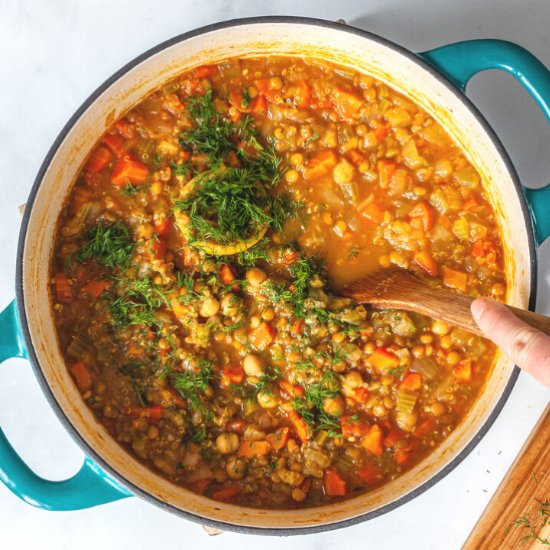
[526,346]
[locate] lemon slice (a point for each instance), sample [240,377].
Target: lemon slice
[217,249]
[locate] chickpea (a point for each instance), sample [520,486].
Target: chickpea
[110,411]
[276,83]
[156,188]
[227,443]
[327,218]
[446,342]
[296,159]
[379,410]
[209,307]
[230,304]
[338,337]
[235,467]
[253,365]
[453,358]
[298,494]
[255,276]
[418,351]
[266,400]
[334,406]
[384,261]
[440,328]
[152,432]
[437,408]
[291,176]
[343,172]
[427,338]
[268,314]
[406,421]
[340,228]
[498,289]
[353,379]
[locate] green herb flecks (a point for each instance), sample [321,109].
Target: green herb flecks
[192,385]
[108,244]
[310,404]
[212,133]
[136,301]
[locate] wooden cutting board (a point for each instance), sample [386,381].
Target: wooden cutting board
[518,515]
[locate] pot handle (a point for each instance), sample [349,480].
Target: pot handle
[89,487]
[459,62]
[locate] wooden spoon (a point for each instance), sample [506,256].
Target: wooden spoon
[396,288]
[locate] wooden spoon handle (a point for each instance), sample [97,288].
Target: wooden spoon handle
[520,507]
[457,312]
[536,320]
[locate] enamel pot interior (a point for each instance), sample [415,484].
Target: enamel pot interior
[348,47]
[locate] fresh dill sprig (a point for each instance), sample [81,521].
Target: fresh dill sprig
[191,386]
[212,133]
[108,244]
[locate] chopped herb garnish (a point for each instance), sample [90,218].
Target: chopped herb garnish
[108,244]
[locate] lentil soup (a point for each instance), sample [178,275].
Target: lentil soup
[196,273]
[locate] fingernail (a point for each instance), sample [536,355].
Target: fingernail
[478,306]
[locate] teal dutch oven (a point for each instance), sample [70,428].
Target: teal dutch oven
[436,80]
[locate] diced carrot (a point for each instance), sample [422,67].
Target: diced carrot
[266,88]
[411,382]
[370,474]
[455,279]
[63,290]
[346,104]
[445,221]
[485,251]
[98,160]
[478,249]
[394,435]
[176,398]
[204,71]
[335,485]
[227,276]
[386,169]
[405,453]
[226,493]
[383,360]
[262,336]
[249,449]
[300,426]
[82,376]
[236,99]
[232,374]
[353,427]
[96,288]
[425,260]
[290,257]
[237,425]
[164,227]
[463,371]
[425,427]
[159,247]
[355,156]
[116,143]
[373,212]
[154,414]
[304,95]
[126,129]
[178,308]
[259,105]
[470,204]
[372,440]
[277,440]
[201,485]
[320,165]
[360,395]
[296,327]
[426,214]
[292,390]
[381,132]
[128,170]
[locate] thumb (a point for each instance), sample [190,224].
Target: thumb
[526,346]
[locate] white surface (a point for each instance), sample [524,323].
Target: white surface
[54,54]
